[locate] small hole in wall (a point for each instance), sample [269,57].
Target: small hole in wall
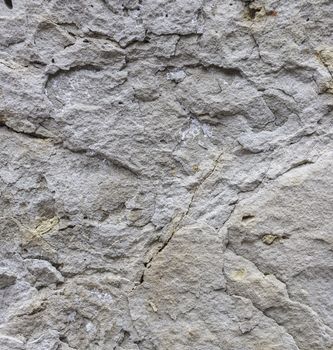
[52,60]
[63,338]
[308,19]
[253,12]
[166,15]
[247,217]
[91,5]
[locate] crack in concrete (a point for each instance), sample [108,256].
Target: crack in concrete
[183,216]
[96,155]
[227,247]
[32,135]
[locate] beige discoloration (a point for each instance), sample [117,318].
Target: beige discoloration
[36,235]
[269,239]
[239,274]
[153,306]
[42,228]
[45,226]
[326,57]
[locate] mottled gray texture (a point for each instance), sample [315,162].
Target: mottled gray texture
[166,175]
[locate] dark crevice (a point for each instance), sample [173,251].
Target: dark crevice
[247,217]
[38,64]
[298,165]
[109,7]
[125,336]
[100,36]
[9,4]
[252,12]
[225,70]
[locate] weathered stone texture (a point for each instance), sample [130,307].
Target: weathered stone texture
[166,175]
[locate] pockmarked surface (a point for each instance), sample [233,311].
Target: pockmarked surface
[166,175]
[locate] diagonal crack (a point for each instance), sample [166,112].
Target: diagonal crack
[255,305]
[97,155]
[183,215]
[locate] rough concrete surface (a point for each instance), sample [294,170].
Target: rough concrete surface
[166,175]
